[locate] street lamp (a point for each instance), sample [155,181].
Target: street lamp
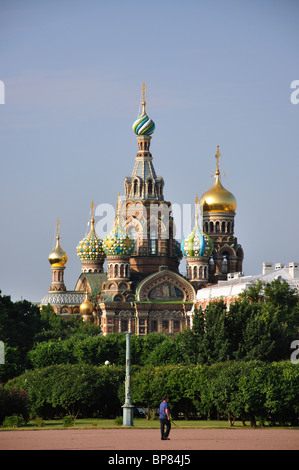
[128,408]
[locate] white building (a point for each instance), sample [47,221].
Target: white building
[236,283]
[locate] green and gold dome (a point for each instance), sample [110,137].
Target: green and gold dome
[118,242]
[91,247]
[197,243]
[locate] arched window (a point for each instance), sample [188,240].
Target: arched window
[150,187]
[153,241]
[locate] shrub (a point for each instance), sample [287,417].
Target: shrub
[69,421]
[13,402]
[14,421]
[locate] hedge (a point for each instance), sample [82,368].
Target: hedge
[252,391]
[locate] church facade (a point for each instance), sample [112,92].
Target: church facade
[141,289]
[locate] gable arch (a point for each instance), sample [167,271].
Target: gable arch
[170,283]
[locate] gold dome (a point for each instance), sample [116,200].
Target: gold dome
[58,257]
[86,308]
[218,199]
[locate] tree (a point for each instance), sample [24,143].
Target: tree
[215,344]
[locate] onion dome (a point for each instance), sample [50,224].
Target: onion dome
[118,242]
[218,199]
[57,257]
[197,243]
[87,307]
[143,124]
[91,248]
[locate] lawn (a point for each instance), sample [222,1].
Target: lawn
[139,423]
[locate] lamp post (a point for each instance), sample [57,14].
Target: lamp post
[128,408]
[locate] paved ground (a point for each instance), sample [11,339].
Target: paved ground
[149,439]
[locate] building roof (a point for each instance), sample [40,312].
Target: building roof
[237,282]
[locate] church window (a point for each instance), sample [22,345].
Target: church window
[154,326]
[217,226]
[211,227]
[165,325]
[150,187]
[153,241]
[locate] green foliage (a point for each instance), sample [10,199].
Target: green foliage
[69,421]
[75,389]
[252,391]
[13,401]
[14,421]
[231,364]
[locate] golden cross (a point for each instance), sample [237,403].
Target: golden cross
[218,155]
[57,227]
[143,91]
[92,209]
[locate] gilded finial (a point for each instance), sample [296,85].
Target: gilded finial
[117,207]
[57,229]
[143,97]
[196,208]
[92,206]
[217,156]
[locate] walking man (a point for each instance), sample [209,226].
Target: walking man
[164,416]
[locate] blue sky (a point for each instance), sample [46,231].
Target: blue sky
[217,73]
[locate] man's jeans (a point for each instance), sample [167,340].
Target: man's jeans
[165,423]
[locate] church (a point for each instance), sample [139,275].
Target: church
[142,290]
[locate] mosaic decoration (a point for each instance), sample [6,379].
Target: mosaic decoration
[197,244]
[91,248]
[144,125]
[118,243]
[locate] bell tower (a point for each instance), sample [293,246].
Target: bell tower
[57,259]
[219,210]
[145,214]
